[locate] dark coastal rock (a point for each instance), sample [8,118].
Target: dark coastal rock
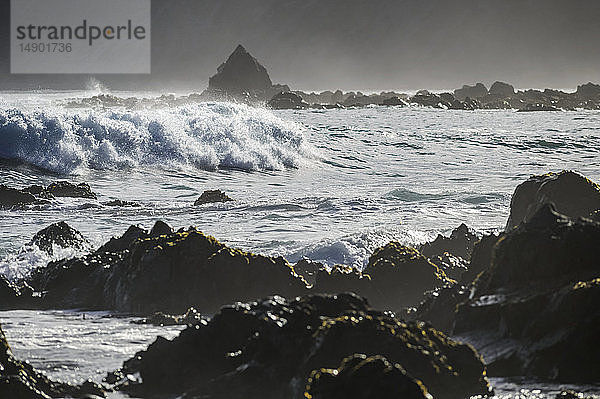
[595,216]
[19,380]
[16,295]
[242,78]
[241,72]
[394,101]
[11,197]
[38,191]
[211,196]
[501,89]
[481,258]
[476,91]
[460,243]
[453,266]
[121,203]
[122,243]
[427,99]
[534,310]
[143,273]
[160,228]
[66,189]
[571,193]
[399,276]
[364,377]
[589,90]
[269,348]
[59,234]
[287,100]
[191,317]
[439,306]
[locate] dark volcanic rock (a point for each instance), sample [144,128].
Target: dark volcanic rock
[363,377]
[460,243]
[534,310]
[16,296]
[481,258]
[10,197]
[268,349]
[121,203]
[66,189]
[501,89]
[60,234]
[394,101]
[211,196]
[191,317]
[399,276]
[241,72]
[19,380]
[287,100]
[571,193]
[477,91]
[589,90]
[143,274]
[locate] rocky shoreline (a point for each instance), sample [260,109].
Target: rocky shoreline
[524,302]
[242,78]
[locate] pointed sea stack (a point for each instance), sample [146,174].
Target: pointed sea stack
[242,77]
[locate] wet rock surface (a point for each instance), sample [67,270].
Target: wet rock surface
[533,311]
[58,234]
[67,189]
[571,193]
[269,348]
[19,380]
[144,272]
[364,377]
[212,196]
[11,197]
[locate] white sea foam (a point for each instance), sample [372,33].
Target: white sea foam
[203,135]
[355,249]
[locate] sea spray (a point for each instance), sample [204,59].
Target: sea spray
[207,136]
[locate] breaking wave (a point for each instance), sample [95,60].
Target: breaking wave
[207,136]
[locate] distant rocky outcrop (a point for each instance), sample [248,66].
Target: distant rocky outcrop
[501,89]
[241,77]
[477,91]
[274,348]
[287,100]
[571,193]
[212,196]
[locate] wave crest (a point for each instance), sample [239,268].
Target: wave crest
[206,136]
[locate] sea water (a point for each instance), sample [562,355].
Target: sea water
[329,185]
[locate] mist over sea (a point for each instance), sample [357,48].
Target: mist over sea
[329,185]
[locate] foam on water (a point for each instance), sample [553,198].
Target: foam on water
[203,135]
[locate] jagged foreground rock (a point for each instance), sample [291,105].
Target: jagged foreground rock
[145,272]
[364,377]
[19,380]
[269,349]
[571,193]
[534,311]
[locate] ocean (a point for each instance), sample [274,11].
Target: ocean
[329,185]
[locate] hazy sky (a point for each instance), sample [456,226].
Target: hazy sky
[372,45]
